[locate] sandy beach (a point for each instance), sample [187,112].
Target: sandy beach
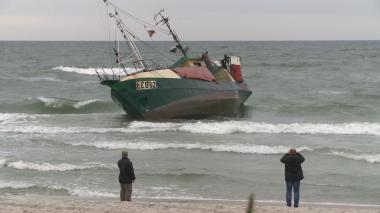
[43,204]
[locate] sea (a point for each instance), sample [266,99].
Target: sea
[62,135]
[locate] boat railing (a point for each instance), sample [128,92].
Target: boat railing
[107,74]
[151,64]
[115,73]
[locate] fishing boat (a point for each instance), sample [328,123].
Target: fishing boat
[192,87]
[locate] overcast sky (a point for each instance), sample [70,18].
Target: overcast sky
[197,19]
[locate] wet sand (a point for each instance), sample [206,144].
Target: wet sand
[51,204]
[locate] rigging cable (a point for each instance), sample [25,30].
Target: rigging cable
[138,20]
[160,53]
[157,53]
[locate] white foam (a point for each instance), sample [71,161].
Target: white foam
[12,118]
[81,104]
[15,185]
[230,127]
[50,102]
[58,103]
[64,130]
[85,192]
[227,127]
[371,158]
[235,148]
[160,126]
[92,71]
[332,92]
[45,166]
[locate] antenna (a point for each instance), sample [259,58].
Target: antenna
[165,20]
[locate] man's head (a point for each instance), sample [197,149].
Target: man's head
[124,154]
[292,151]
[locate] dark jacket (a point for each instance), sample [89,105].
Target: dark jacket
[293,169]
[127,174]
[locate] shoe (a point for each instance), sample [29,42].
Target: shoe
[295,206]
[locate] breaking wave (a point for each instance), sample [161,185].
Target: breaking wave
[227,127]
[27,188]
[57,130]
[92,71]
[54,105]
[234,148]
[60,102]
[12,118]
[85,192]
[230,127]
[15,185]
[371,158]
[46,166]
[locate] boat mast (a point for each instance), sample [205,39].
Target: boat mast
[165,20]
[131,44]
[128,38]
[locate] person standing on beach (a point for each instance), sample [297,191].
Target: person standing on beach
[126,177]
[293,175]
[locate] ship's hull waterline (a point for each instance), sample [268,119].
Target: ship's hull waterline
[168,98]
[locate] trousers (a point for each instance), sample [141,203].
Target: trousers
[126,192]
[295,187]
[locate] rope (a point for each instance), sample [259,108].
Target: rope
[138,20]
[159,54]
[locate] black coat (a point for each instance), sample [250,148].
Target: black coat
[127,174]
[293,169]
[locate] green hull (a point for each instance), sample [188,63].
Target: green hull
[179,98]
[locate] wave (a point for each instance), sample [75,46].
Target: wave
[230,127]
[292,64]
[200,127]
[15,185]
[60,102]
[294,128]
[60,130]
[28,188]
[62,105]
[231,148]
[41,189]
[234,148]
[46,166]
[54,105]
[332,92]
[85,192]
[176,175]
[13,118]
[38,79]
[323,109]
[92,71]
[371,158]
